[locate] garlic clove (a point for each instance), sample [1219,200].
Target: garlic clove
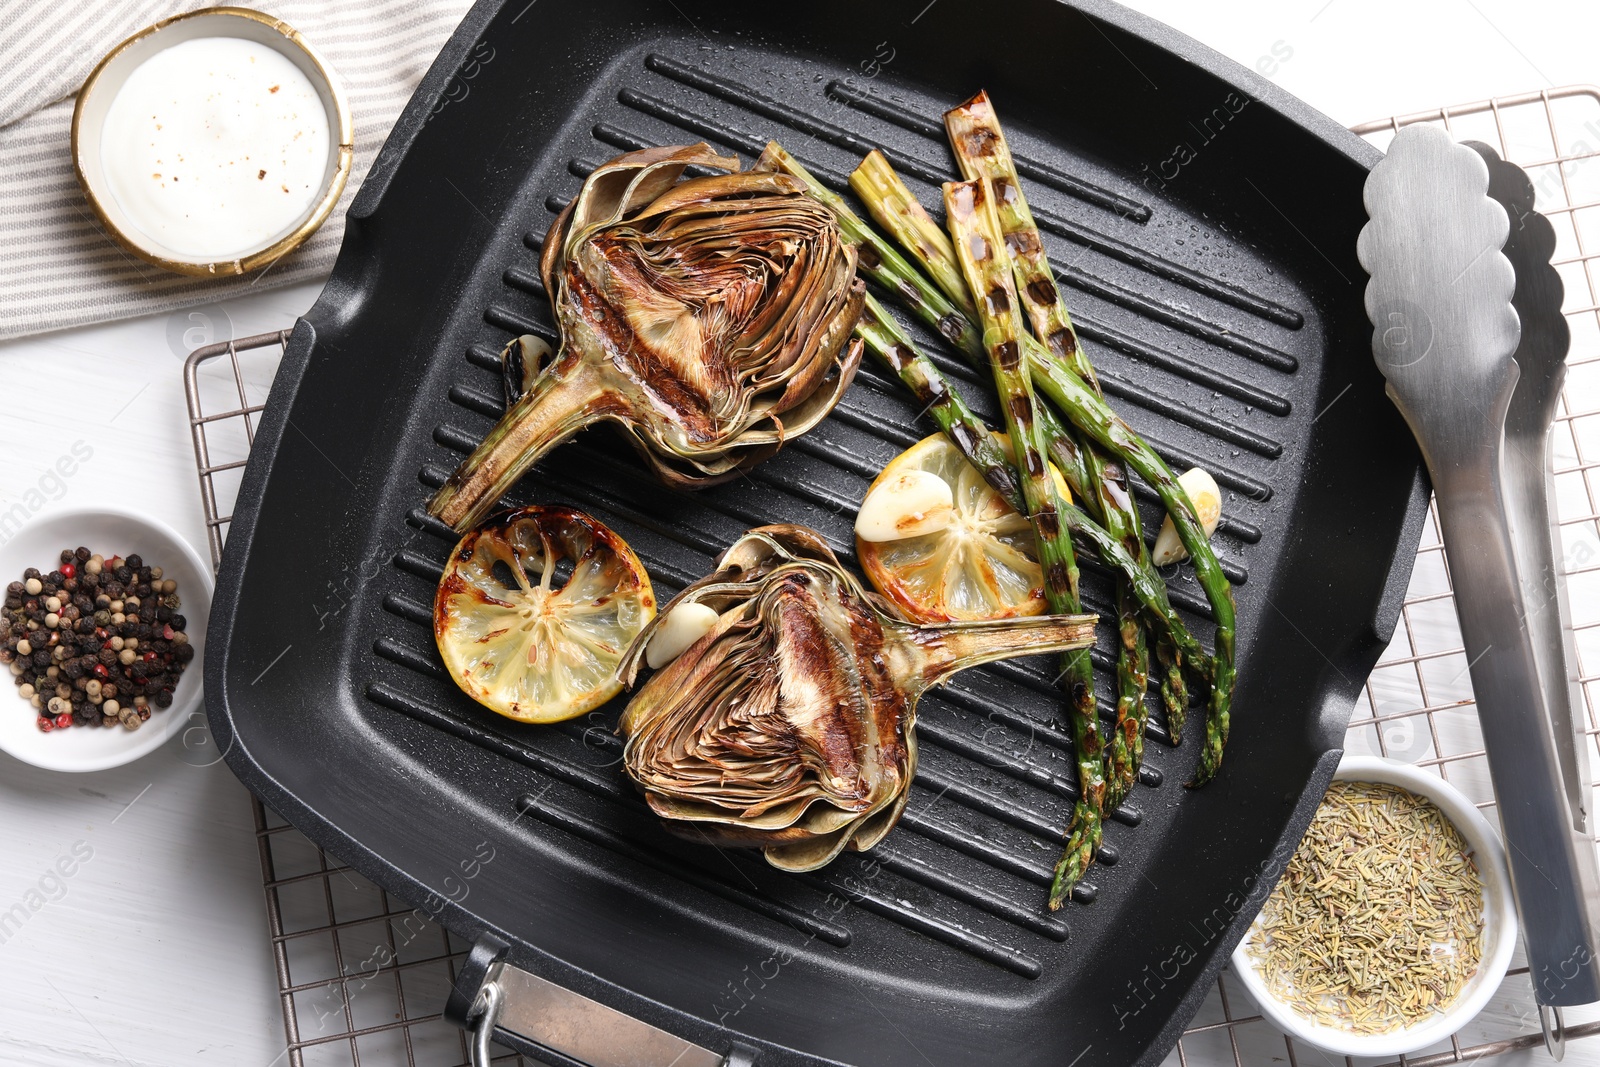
[683,626]
[1207,500]
[910,504]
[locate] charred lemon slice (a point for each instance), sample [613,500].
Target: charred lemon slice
[535,609]
[938,541]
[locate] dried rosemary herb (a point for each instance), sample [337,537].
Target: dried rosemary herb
[1378,921]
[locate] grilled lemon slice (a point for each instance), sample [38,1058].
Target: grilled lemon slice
[524,636]
[939,542]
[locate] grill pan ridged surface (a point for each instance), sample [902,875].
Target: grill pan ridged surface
[1223,311]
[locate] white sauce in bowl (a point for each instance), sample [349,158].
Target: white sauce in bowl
[216,147]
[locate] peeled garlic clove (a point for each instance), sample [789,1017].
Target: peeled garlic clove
[1207,501]
[683,626]
[910,504]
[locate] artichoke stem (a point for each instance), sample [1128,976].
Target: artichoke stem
[560,402]
[955,646]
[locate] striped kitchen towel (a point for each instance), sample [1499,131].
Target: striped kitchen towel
[57,267]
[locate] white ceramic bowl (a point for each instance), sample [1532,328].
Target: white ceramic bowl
[1500,925]
[100,88]
[109,532]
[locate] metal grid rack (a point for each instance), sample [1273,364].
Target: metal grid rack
[362,978]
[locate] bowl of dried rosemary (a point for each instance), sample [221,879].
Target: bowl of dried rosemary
[1393,923]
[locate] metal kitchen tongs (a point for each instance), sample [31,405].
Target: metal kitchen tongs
[1468,330]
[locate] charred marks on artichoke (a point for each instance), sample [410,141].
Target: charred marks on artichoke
[1203,493]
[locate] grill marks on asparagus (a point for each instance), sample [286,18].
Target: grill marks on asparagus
[981,152]
[986,265]
[889,343]
[1094,417]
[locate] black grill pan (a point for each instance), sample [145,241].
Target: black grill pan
[1204,223]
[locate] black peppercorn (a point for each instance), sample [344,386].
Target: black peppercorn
[185,653]
[123,574]
[41,657]
[163,699]
[82,554]
[178,622]
[135,561]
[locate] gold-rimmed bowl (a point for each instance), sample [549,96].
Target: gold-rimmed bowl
[94,101]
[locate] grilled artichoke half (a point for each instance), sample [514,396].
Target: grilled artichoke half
[710,317]
[789,724]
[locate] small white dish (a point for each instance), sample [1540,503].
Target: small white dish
[1500,925]
[109,532]
[100,89]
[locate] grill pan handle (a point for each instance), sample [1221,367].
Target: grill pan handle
[571,1029]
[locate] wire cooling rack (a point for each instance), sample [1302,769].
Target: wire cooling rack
[363,978]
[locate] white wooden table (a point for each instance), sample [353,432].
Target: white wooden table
[156,952]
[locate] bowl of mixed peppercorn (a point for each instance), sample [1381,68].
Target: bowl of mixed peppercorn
[102,636]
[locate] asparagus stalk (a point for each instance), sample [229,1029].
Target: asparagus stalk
[986,266]
[885,339]
[894,208]
[1174,691]
[1090,414]
[981,152]
[1126,752]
